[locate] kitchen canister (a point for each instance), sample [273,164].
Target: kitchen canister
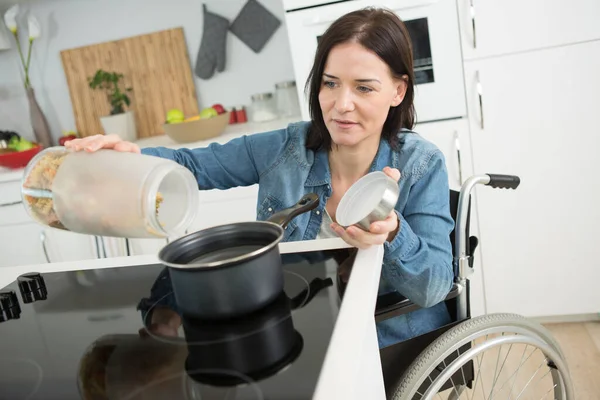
[110,193]
[262,108]
[286,99]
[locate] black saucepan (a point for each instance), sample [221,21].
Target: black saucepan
[230,270]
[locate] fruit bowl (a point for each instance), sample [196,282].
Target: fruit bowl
[197,130]
[18,159]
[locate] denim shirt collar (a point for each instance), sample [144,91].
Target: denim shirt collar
[320,173]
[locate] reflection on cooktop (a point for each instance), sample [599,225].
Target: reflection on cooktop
[144,348]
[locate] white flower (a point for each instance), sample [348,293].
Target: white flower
[34,27]
[10,18]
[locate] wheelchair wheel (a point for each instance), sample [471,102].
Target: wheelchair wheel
[496,356]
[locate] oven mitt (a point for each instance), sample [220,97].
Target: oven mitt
[254,25]
[211,55]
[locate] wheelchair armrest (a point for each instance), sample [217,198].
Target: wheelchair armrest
[394,304]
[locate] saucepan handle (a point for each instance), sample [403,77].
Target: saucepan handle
[308,202]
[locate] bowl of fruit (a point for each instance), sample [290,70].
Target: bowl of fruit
[15,151]
[211,122]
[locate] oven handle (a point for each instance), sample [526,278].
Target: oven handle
[44,248]
[328,18]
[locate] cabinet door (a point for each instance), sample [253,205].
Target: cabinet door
[539,120]
[452,138]
[495,27]
[225,212]
[21,244]
[65,246]
[30,243]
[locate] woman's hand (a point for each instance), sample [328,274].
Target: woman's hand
[379,231]
[97,142]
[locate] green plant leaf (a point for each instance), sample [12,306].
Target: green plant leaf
[109,81]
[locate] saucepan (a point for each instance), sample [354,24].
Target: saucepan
[230,270]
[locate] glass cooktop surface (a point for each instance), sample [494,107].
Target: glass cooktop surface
[118,333]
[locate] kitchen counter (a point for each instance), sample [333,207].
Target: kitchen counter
[352,368]
[230,132]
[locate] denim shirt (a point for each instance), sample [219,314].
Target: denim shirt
[417,263]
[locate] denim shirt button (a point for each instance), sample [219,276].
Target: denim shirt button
[270,209]
[318,212]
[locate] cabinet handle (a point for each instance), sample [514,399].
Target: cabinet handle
[43,240]
[14,203]
[103,247]
[472,7]
[457,145]
[100,246]
[480,95]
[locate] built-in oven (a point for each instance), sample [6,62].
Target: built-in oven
[434,30]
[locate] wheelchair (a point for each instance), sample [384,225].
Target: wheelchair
[447,362]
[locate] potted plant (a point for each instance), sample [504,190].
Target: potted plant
[119,121]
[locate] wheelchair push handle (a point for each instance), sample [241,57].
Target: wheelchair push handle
[503,181]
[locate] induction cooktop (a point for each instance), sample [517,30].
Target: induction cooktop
[117,333]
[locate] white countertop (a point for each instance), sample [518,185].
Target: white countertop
[351,368]
[231,132]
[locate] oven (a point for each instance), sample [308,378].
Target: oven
[434,29]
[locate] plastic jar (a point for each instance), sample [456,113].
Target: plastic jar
[263,108]
[287,99]
[110,193]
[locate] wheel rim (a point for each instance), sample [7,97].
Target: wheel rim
[546,382]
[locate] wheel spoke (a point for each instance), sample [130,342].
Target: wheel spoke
[451,380]
[551,390]
[479,368]
[462,371]
[530,379]
[497,373]
[516,372]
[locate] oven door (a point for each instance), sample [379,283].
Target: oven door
[434,31]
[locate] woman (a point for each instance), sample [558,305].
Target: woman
[361,102]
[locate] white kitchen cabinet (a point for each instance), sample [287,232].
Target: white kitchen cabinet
[452,138]
[26,250]
[225,212]
[511,26]
[539,120]
[30,243]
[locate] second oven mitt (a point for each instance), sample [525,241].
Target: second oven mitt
[211,55]
[254,25]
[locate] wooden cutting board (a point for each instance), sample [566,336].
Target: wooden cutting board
[156,66]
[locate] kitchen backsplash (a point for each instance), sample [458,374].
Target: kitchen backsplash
[68,24]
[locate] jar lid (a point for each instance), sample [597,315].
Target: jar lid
[285,85]
[261,96]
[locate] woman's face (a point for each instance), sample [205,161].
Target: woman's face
[357,91]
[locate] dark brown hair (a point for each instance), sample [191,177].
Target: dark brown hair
[382,32]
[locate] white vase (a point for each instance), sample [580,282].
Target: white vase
[122,125]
